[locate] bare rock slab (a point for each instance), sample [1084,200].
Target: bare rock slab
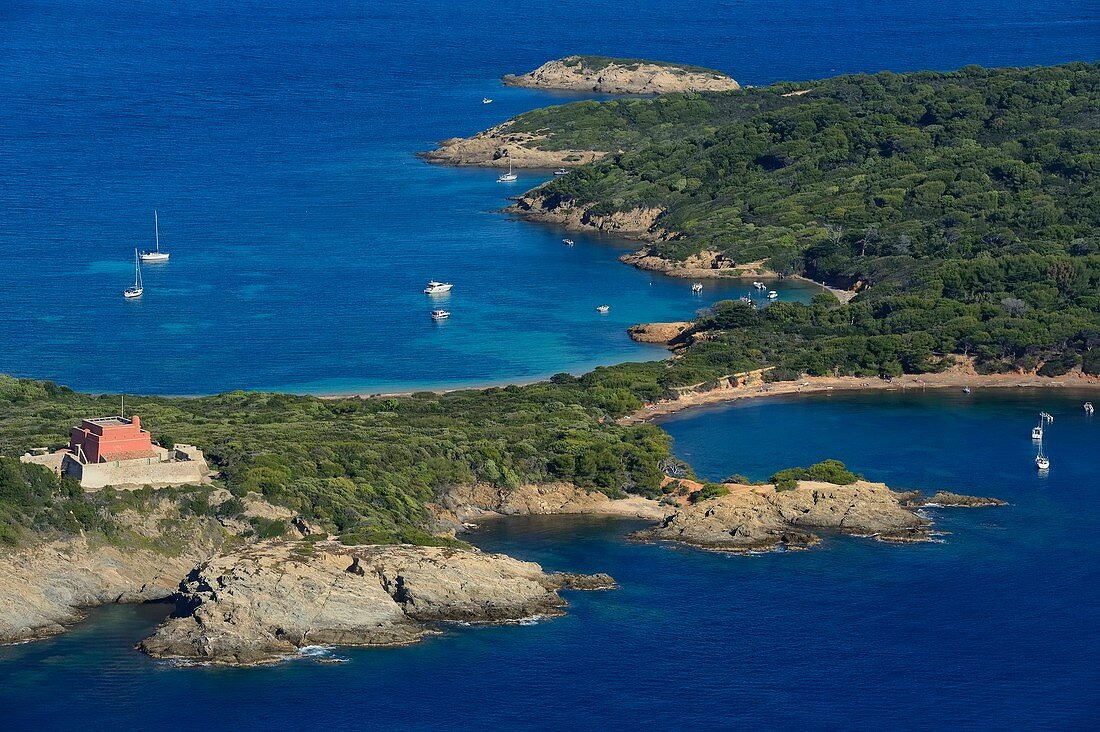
[264,602]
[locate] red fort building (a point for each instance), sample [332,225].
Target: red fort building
[116,451]
[110,439]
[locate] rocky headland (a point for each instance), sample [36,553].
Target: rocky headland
[501,146]
[640,224]
[46,587]
[760,518]
[621,76]
[264,602]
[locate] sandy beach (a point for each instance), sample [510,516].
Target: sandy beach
[958,377]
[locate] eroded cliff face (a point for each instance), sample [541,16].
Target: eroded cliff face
[756,518]
[264,602]
[621,76]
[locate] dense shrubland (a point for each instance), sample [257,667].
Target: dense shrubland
[963,205]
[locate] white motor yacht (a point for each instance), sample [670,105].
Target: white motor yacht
[436,288]
[441,314]
[759,285]
[772,294]
[697,287]
[568,242]
[602,308]
[561,171]
[486,100]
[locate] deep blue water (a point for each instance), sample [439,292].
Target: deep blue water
[994,628]
[277,140]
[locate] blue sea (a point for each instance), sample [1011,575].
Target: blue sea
[277,141]
[993,628]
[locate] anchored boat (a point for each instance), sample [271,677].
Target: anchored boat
[133,292]
[437,288]
[508,177]
[156,255]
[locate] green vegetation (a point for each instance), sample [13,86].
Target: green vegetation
[33,498]
[597,63]
[708,491]
[827,471]
[964,206]
[368,467]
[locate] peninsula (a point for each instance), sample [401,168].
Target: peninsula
[958,210]
[608,75]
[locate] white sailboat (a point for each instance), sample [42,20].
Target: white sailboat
[1037,431]
[1042,462]
[132,292]
[508,177]
[156,255]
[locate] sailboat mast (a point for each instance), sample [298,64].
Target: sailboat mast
[156,228]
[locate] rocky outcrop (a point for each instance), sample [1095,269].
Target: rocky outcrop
[638,223]
[756,518]
[499,146]
[706,264]
[621,76]
[263,603]
[948,499]
[465,503]
[45,588]
[673,335]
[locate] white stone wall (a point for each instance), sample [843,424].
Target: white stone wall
[136,473]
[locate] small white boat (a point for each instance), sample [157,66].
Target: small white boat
[441,314]
[697,287]
[133,292]
[772,294]
[1042,462]
[561,171]
[602,308]
[486,100]
[156,255]
[1089,408]
[1037,431]
[745,299]
[437,288]
[759,285]
[966,390]
[568,242]
[508,177]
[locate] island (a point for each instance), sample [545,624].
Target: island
[607,75]
[957,210]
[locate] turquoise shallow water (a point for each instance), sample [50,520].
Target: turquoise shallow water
[993,628]
[276,139]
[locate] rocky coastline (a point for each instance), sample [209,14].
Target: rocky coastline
[621,76]
[263,603]
[501,146]
[753,518]
[246,602]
